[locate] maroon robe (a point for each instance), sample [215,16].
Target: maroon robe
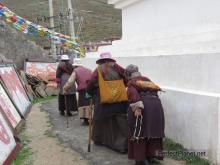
[152,128]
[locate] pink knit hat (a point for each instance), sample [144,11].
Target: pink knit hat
[105,56]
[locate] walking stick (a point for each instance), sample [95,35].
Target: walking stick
[67,122]
[90,125]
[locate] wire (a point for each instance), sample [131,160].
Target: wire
[78,14]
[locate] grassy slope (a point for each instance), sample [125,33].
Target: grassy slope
[102,22]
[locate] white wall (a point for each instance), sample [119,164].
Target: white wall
[191,101]
[192,119]
[168,27]
[170,17]
[176,43]
[196,71]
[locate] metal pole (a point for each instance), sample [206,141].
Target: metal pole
[71,22]
[53,45]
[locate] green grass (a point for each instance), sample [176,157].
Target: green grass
[43,110]
[49,133]
[190,159]
[23,157]
[49,123]
[44,100]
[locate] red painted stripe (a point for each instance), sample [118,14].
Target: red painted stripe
[12,155]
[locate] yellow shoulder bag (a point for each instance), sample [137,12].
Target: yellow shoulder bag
[111,91]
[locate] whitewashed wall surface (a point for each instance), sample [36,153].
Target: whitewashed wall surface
[176,43]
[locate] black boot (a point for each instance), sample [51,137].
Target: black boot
[98,143]
[153,161]
[86,122]
[62,113]
[140,162]
[69,114]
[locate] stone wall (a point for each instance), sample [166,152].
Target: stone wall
[14,45]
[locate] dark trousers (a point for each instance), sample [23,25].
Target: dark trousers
[67,102]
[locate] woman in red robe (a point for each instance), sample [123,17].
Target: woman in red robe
[145,118]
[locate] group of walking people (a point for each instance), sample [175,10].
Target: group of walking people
[128,115]
[67,77]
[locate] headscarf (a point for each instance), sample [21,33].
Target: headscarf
[132,71]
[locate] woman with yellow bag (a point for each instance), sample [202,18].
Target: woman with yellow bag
[110,114]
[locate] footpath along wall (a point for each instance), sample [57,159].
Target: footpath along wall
[14,107]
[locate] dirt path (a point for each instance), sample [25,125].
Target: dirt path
[47,150]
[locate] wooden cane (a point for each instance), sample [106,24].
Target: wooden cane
[90,125]
[67,122]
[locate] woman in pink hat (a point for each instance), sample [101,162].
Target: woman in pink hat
[110,120]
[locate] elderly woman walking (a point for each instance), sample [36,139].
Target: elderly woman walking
[110,120]
[145,118]
[66,101]
[81,75]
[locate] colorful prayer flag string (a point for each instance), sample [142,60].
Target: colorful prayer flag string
[33,29]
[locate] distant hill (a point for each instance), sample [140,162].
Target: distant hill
[100,20]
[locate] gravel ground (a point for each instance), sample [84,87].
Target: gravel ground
[76,136]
